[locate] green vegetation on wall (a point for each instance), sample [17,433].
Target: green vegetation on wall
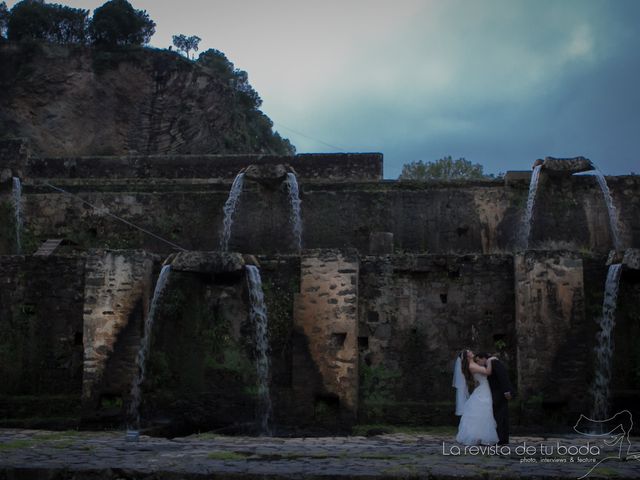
[196,357]
[279,301]
[377,388]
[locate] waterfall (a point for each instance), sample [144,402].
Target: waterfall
[17,206]
[229,210]
[531,200]
[258,315]
[294,215]
[141,361]
[604,348]
[611,208]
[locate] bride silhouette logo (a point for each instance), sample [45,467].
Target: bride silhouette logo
[613,434]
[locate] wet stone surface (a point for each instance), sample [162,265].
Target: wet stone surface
[27,454]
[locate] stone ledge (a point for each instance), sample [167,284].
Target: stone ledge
[208,262]
[567,165]
[308,167]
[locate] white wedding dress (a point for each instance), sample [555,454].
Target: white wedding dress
[477,425]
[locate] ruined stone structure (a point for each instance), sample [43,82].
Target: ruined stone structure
[116,297]
[326,315]
[394,278]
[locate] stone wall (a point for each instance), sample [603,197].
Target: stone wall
[326,323]
[416,313]
[553,347]
[481,217]
[625,381]
[353,337]
[41,339]
[117,290]
[281,283]
[344,200]
[200,372]
[570,213]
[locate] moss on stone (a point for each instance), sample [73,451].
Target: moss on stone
[230,456]
[18,444]
[279,301]
[377,389]
[197,361]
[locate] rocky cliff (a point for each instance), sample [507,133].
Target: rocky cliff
[72,100]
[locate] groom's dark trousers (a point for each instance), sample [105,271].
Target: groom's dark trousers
[499,383]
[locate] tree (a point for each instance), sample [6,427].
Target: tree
[186,44]
[218,62]
[37,20]
[4,20]
[117,23]
[444,169]
[246,94]
[71,25]
[238,79]
[28,20]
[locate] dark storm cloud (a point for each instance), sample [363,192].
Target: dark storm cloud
[555,78]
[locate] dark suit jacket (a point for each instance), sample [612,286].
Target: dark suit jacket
[499,381]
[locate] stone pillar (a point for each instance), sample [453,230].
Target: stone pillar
[116,284]
[549,292]
[326,318]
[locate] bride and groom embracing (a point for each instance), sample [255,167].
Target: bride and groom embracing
[483,392]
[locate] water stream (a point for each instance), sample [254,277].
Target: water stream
[611,208]
[229,210]
[294,215]
[605,346]
[531,200]
[143,353]
[258,316]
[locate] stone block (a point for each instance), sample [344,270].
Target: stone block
[270,175]
[567,165]
[327,319]
[208,262]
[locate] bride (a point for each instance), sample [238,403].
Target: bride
[477,425]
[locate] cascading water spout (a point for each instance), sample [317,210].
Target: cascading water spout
[604,349]
[17,206]
[141,361]
[294,215]
[611,208]
[531,200]
[229,210]
[258,315]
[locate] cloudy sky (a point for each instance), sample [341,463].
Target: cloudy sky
[499,82]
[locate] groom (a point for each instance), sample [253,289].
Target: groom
[502,392]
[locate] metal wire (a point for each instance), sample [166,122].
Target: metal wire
[106,212]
